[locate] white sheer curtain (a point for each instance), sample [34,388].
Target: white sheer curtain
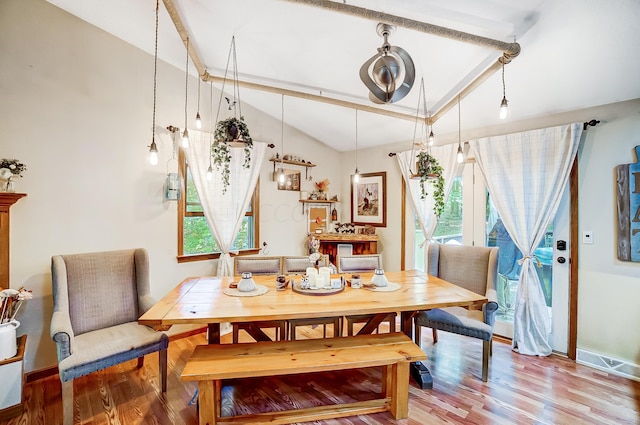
[446,156]
[224,212]
[526,174]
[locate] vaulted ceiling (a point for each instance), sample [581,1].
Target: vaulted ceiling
[575,54]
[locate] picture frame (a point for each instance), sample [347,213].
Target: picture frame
[291,182]
[369,200]
[318,218]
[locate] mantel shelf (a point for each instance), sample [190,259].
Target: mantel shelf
[9,198]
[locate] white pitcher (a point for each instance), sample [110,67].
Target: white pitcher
[8,347]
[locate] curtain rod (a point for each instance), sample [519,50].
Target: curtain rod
[585,125]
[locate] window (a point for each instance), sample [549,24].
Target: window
[195,241]
[449,224]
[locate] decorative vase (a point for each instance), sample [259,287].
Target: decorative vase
[9,186]
[8,345]
[233,131]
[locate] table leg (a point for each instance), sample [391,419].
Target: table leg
[419,372]
[213,333]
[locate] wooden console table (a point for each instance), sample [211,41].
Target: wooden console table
[362,244]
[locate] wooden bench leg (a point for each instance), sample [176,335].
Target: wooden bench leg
[208,402]
[399,390]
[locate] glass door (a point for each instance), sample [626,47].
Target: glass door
[553,275]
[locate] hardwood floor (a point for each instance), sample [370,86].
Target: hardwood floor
[521,389]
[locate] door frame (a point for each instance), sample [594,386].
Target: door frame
[573,249]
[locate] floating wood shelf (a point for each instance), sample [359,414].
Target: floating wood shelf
[317,201]
[306,165]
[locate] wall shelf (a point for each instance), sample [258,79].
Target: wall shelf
[306,165]
[315,201]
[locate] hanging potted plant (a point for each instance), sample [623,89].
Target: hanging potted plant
[230,133]
[430,171]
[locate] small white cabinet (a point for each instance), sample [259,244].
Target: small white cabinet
[12,379]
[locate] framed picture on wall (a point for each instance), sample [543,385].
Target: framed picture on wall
[318,219]
[291,182]
[369,200]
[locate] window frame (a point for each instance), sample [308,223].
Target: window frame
[182,213]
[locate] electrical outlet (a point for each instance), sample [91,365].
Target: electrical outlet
[587,237]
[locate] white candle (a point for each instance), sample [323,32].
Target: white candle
[312,273]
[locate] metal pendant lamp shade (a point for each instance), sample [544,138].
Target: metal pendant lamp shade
[389,74]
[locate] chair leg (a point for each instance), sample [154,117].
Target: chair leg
[434,331]
[67,402]
[417,334]
[140,361]
[162,369]
[486,348]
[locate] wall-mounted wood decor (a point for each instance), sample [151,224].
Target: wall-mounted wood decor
[628,194]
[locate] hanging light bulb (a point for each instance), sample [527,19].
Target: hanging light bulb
[432,137]
[185,134]
[356,176]
[210,173]
[281,176]
[153,153]
[504,105]
[185,138]
[460,154]
[153,148]
[198,119]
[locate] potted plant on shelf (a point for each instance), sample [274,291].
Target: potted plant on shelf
[230,133]
[430,171]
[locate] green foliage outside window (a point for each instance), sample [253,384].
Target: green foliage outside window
[197,238]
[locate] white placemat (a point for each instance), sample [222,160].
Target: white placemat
[389,288]
[234,292]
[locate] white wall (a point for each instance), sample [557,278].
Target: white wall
[76,107]
[609,289]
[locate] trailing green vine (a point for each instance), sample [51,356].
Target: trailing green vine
[227,131]
[431,171]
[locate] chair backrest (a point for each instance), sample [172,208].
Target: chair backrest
[101,289]
[298,265]
[472,267]
[257,265]
[359,263]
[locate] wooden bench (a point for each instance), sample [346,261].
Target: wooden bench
[210,364]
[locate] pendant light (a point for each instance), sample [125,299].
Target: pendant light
[504,105]
[185,134]
[281,176]
[210,169]
[198,119]
[460,154]
[356,175]
[153,148]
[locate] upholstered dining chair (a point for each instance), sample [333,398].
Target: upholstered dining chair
[98,298]
[473,268]
[297,265]
[259,265]
[363,263]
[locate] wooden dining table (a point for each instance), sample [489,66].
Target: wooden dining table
[202,300]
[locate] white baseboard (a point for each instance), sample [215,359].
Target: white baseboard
[609,364]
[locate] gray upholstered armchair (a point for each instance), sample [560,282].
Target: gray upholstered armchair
[473,268]
[98,298]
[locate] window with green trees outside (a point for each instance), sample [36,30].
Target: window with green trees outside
[195,238]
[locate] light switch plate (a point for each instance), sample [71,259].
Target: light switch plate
[587,236]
